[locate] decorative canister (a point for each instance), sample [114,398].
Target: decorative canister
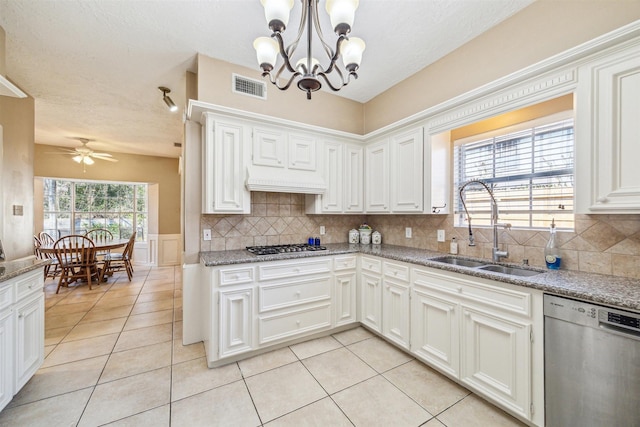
[376,238]
[354,236]
[365,236]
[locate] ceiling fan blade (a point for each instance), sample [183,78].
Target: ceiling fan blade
[70,153]
[101,154]
[63,151]
[105,158]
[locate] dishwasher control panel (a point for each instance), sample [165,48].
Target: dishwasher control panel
[619,318]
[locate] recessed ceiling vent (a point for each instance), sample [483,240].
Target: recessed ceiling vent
[251,87]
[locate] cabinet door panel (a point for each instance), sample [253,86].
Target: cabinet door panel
[354,176]
[29,340]
[407,180]
[497,358]
[435,331]
[302,152]
[6,357]
[268,147]
[236,316]
[345,298]
[377,177]
[332,170]
[395,312]
[371,301]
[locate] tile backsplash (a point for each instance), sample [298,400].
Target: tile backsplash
[607,244]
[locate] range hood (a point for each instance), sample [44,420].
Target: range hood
[260,178]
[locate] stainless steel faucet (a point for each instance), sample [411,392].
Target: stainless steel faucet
[497,254]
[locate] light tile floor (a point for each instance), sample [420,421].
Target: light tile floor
[114,357]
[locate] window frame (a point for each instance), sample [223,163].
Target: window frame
[76,214]
[497,134]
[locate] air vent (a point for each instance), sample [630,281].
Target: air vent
[177,144]
[251,87]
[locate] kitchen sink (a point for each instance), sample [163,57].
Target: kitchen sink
[482,265]
[459,261]
[512,271]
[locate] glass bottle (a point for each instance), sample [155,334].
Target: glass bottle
[552,254]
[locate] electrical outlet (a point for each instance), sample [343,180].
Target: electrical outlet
[323,231]
[206,234]
[440,235]
[407,232]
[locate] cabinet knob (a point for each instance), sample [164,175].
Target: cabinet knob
[460,289]
[20,316]
[297,294]
[298,322]
[293,163]
[370,265]
[296,270]
[417,206]
[388,287]
[602,200]
[246,294]
[279,162]
[395,273]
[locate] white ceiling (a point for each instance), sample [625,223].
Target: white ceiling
[93,66]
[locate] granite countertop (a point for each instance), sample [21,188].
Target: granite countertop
[11,269]
[617,291]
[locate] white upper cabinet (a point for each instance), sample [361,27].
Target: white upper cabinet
[377,177]
[302,152]
[607,134]
[225,159]
[341,166]
[407,171]
[353,179]
[269,146]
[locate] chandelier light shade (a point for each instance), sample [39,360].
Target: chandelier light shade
[308,70]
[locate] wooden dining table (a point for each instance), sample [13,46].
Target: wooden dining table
[101,246]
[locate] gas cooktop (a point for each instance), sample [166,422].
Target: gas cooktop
[282,249]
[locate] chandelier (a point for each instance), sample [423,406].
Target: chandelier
[308,69]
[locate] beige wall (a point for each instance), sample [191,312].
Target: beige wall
[541,30]
[324,109]
[129,168]
[16,172]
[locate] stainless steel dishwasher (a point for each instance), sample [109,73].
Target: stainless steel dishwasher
[592,364]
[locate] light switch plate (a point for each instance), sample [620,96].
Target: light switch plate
[206,234]
[407,232]
[440,235]
[323,231]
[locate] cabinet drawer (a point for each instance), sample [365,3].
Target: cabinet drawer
[277,296]
[294,269]
[345,263]
[396,271]
[6,295]
[29,284]
[236,276]
[294,323]
[477,290]
[371,264]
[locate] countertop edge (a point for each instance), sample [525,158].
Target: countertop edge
[12,269]
[621,292]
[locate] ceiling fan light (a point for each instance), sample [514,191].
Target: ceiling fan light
[342,14]
[77,159]
[276,13]
[88,160]
[266,52]
[351,52]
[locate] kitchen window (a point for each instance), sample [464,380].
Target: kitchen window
[529,168]
[75,207]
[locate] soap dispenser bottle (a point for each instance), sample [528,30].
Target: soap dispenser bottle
[552,254]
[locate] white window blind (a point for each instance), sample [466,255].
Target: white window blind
[530,172]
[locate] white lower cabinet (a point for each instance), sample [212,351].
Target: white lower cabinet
[496,357]
[6,357]
[395,312]
[21,332]
[435,330]
[371,301]
[345,298]
[481,333]
[236,314]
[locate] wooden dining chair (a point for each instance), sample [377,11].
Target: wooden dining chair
[100,235]
[115,261]
[46,239]
[53,268]
[76,256]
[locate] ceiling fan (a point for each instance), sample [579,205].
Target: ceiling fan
[86,155]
